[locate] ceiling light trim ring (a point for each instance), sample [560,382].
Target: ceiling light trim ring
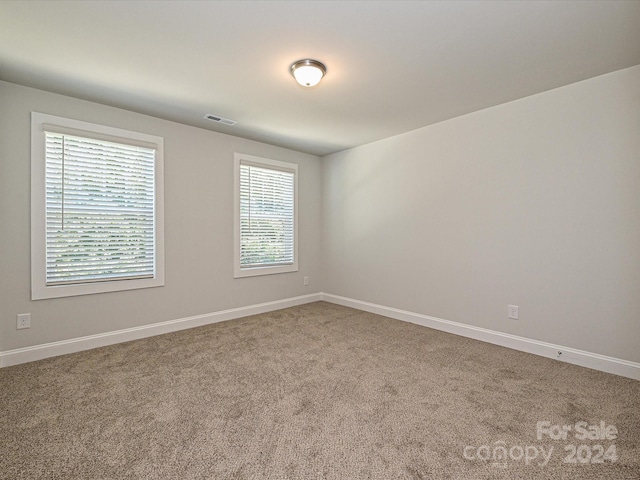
[300,67]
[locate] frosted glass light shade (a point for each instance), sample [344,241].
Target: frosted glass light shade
[308,73]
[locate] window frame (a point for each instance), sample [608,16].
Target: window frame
[40,122]
[266,163]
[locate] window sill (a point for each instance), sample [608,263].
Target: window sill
[58,291]
[258,271]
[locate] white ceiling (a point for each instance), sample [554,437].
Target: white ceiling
[391,66]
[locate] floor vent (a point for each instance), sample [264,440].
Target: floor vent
[215,118]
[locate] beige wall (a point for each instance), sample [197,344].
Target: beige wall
[198,227]
[534,203]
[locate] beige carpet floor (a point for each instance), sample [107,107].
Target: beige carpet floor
[318,391]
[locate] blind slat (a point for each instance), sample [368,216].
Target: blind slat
[100,210]
[266,216]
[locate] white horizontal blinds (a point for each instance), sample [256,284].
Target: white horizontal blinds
[99,210]
[266,216]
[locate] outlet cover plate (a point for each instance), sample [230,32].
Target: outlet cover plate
[23,321]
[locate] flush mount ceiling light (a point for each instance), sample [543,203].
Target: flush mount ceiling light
[308,72]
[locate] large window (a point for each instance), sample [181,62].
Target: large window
[265,216]
[96,208]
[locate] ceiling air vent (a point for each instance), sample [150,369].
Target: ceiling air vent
[215,118]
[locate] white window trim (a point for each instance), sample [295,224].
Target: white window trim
[39,288]
[238,271]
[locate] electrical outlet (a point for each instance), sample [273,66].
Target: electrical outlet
[23,321]
[513,312]
[306,281]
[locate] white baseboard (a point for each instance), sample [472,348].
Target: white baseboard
[582,358]
[53,349]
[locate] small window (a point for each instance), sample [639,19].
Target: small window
[96,210]
[266,227]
